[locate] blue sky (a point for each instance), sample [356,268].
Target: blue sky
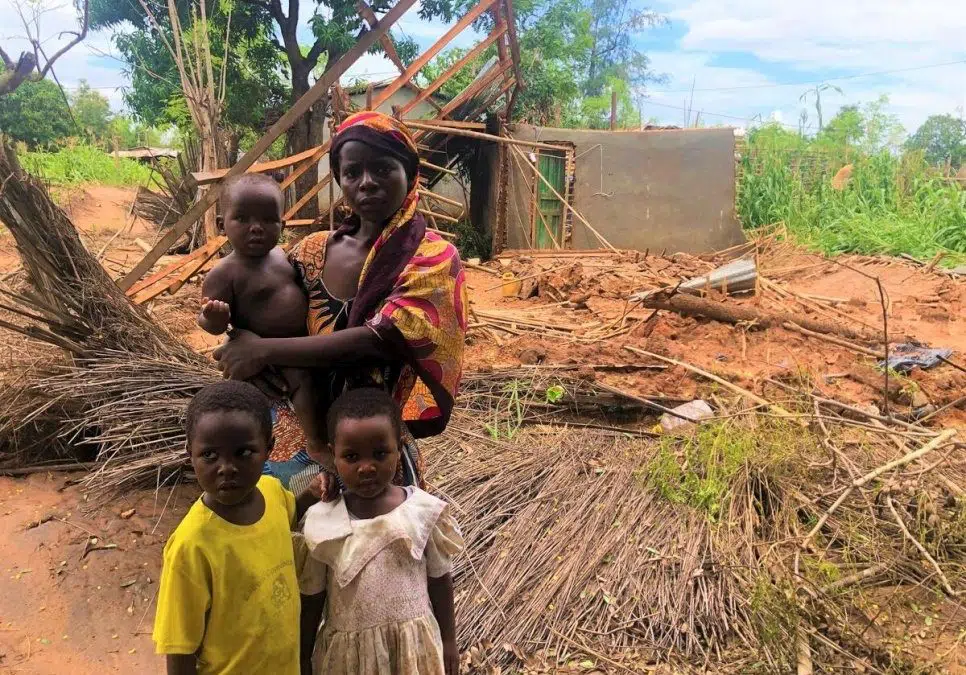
[745,58]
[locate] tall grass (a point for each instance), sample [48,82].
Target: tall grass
[891,204]
[83,164]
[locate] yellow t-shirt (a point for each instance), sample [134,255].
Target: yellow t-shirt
[229,593]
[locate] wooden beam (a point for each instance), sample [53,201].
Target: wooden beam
[308,164]
[441,216]
[501,49]
[476,87]
[556,194]
[193,268]
[316,189]
[207,177]
[456,124]
[429,194]
[506,140]
[366,12]
[428,55]
[187,266]
[331,75]
[173,267]
[436,167]
[514,43]
[455,68]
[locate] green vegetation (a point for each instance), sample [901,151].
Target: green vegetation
[700,470]
[893,202]
[36,114]
[81,164]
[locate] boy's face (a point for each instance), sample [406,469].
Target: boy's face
[228,449]
[253,218]
[366,454]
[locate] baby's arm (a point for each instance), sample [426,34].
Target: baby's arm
[441,597]
[216,292]
[182,664]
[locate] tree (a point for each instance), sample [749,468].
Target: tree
[614,25]
[572,55]
[846,128]
[263,33]
[817,93]
[36,114]
[92,112]
[28,67]
[941,138]
[255,92]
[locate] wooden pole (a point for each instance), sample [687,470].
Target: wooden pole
[574,211]
[455,68]
[428,55]
[301,106]
[429,126]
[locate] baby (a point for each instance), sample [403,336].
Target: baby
[255,287]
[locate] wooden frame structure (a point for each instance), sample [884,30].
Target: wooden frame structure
[459,117]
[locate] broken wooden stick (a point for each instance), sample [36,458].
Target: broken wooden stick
[730,313]
[875,473]
[777,409]
[922,549]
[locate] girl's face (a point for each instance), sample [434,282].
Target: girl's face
[374,184]
[366,454]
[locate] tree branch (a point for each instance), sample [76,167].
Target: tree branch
[313,56]
[70,45]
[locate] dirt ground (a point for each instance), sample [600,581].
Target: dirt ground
[67,604]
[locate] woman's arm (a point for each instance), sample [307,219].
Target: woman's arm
[246,354]
[182,664]
[441,597]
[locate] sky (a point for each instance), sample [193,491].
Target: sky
[745,59]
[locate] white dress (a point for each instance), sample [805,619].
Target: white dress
[379,620]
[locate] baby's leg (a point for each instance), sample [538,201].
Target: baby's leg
[302,393]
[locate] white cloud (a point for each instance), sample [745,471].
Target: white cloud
[821,40]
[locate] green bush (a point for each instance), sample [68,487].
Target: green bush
[892,203]
[83,164]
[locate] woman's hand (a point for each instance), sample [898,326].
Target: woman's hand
[242,357]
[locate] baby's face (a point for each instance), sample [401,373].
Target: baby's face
[253,219]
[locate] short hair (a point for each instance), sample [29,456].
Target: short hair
[362,404]
[226,396]
[250,179]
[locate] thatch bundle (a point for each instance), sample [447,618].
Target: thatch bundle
[749,544]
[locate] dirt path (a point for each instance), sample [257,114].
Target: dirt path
[62,611]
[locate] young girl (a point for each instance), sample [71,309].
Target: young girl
[380,553]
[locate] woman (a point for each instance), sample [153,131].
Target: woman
[387,302]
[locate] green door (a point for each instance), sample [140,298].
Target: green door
[551,165]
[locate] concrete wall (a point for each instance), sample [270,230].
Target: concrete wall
[445,188]
[668,189]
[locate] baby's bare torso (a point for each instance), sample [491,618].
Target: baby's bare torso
[267,298]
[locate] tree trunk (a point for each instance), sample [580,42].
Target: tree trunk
[209,162]
[306,133]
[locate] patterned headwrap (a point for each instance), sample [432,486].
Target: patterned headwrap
[381,132]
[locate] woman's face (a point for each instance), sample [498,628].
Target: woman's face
[374,184]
